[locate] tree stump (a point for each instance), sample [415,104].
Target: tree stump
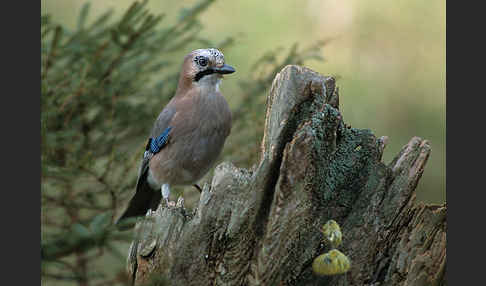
[261,226]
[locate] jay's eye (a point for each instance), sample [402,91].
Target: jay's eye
[202,61]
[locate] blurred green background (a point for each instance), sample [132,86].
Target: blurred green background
[389,57]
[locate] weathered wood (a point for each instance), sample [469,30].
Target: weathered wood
[261,226]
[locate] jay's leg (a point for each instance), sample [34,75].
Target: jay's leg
[165,189]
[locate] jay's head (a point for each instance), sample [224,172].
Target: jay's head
[205,66]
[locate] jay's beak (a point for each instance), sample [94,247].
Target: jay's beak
[225,69]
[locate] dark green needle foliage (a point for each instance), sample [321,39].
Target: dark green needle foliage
[102,86]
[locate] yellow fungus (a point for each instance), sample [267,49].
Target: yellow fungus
[332,233]
[333,262]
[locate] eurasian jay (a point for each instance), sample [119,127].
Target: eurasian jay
[187,136]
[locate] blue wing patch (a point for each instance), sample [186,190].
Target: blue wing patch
[156,144]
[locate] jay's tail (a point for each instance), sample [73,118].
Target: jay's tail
[144,198]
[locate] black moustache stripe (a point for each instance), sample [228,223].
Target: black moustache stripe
[200,74]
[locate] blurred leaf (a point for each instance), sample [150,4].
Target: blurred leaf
[100,222]
[195,10]
[81,231]
[83,15]
[115,252]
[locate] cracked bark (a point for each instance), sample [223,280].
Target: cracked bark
[261,226]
